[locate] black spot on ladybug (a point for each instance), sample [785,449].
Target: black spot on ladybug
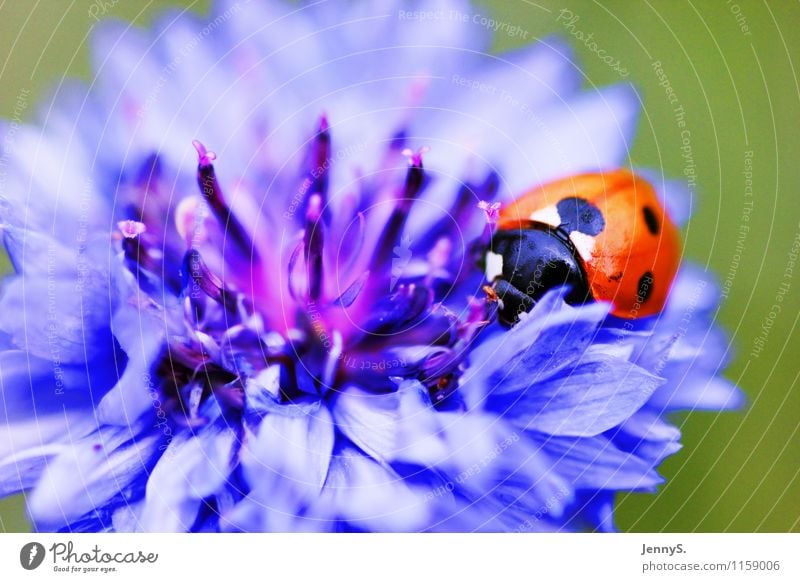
[645,288]
[651,220]
[580,215]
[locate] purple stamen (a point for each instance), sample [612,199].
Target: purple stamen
[135,252]
[206,157]
[209,186]
[313,240]
[463,207]
[200,278]
[415,157]
[131,228]
[394,226]
[321,162]
[462,212]
[491,211]
[350,294]
[355,249]
[292,279]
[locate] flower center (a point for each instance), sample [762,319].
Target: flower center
[233,320]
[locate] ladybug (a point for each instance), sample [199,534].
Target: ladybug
[605,235]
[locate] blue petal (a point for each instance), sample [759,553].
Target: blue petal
[191,469]
[286,464]
[593,132]
[32,387]
[89,473]
[705,393]
[547,340]
[370,496]
[20,471]
[591,511]
[141,336]
[42,405]
[597,394]
[48,188]
[383,424]
[52,321]
[646,435]
[560,343]
[595,463]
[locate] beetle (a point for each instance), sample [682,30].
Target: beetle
[605,235]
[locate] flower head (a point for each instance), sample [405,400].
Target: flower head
[292,333]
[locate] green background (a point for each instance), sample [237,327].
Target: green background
[737,471]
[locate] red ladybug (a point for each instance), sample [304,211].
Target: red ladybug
[605,235]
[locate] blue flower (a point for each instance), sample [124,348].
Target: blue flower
[291,334]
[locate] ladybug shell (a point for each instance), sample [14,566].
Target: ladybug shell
[628,246]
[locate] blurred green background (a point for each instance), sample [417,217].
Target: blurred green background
[733,67]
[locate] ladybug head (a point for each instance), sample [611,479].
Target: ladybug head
[525,262]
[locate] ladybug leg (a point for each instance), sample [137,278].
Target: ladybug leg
[513,301]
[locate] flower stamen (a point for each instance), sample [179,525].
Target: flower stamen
[415,178]
[322,157]
[212,191]
[203,279]
[312,240]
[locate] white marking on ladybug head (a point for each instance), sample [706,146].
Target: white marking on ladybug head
[494,265]
[547,215]
[584,244]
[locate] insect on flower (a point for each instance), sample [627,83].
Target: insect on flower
[293,332]
[607,236]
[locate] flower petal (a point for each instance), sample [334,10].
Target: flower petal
[88,474]
[595,463]
[191,469]
[286,463]
[371,497]
[597,394]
